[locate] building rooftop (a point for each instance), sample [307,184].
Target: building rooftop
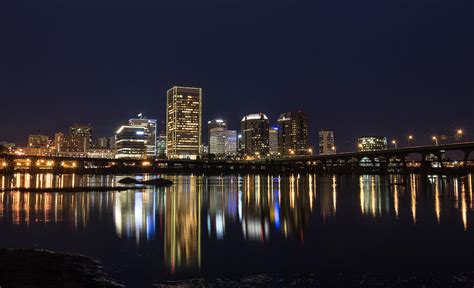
[255,116]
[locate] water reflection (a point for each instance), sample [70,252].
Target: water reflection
[260,208]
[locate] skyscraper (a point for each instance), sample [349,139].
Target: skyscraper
[255,138]
[293,133]
[130,142]
[214,124]
[273,140]
[223,142]
[327,144]
[183,122]
[79,130]
[150,133]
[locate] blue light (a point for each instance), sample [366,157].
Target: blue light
[140,133]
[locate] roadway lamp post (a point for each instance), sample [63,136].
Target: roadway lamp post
[459,134]
[410,137]
[394,142]
[435,139]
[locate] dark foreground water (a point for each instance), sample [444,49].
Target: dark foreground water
[235,226]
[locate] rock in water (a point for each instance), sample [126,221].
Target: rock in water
[160,182]
[128,180]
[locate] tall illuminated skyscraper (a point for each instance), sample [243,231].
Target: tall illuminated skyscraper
[183,122]
[293,133]
[78,130]
[150,132]
[214,124]
[223,142]
[327,144]
[273,140]
[254,129]
[130,142]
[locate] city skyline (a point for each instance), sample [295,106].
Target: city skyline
[451,135]
[356,58]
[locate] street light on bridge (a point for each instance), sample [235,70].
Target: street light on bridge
[394,142]
[459,134]
[410,137]
[435,139]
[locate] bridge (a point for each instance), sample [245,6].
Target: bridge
[418,159]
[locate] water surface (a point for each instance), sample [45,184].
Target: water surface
[207,226]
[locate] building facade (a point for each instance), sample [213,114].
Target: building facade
[130,142]
[327,144]
[38,141]
[214,124]
[273,140]
[161,145]
[223,142]
[371,143]
[73,145]
[254,131]
[79,130]
[293,134]
[150,133]
[183,122]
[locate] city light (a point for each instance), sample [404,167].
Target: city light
[394,142]
[410,137]
[435,139]
[459,134]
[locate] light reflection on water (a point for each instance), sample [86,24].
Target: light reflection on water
[199,209]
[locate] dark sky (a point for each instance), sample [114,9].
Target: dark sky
[355,66]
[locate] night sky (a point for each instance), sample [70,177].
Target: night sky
[353,66]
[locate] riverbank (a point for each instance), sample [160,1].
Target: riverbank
[73,189]
[337,280]
[42,268]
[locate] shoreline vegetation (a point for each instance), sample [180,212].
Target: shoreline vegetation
[43,268]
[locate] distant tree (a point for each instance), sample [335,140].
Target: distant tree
[3,149]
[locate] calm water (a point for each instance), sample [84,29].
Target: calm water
[246,225]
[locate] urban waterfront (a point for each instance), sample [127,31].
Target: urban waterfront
[234,226]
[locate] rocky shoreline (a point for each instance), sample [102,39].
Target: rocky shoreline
[337,280]
[42,268]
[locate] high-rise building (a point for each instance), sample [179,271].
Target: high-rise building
[112,142]
[183,122]
[214,124]
[78,130]
[273,140]
[371,143]
[293,133]
[57,141]
[327,144]
[150,132]
[102,143]
[223,142]
[255,139]
[161,145]
[73,145]
[38,141]
[130,142]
